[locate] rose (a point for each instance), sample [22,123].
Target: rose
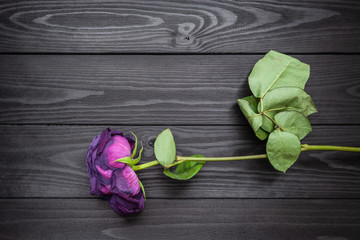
[102,153]
[111,179]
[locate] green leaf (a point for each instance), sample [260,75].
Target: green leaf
[294,122]
[268,125]
[135,147]
[288,98]
[185,170]
[252,117]
[261,134]
[252,101]
[276,70]
[282,149]
[248,108]
[164,148]
[142,188]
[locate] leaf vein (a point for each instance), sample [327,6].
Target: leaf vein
[272,84]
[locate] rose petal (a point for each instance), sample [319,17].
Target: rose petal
[132,180]
[106,189]
[105,173]
[119,148]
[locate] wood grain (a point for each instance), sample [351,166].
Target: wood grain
[67,71]
[179,26]
[49,161]
[158,90]
[181,219]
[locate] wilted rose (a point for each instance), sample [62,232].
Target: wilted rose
[111,179]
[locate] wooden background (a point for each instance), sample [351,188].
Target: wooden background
[68,69]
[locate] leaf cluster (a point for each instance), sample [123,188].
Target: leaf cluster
[279,106]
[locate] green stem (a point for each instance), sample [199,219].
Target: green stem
[304,148]
[273,121]
[329,148]
[218,159]
[261,105]
[145,165]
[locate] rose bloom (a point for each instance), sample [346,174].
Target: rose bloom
[114,180]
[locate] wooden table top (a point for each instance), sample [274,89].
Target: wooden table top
[68,69]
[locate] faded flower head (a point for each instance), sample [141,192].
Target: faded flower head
[111,179]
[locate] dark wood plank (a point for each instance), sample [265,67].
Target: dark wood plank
[179,26]
[49,161]
[182,219]
[158,89]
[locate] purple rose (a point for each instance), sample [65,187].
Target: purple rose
[111,179]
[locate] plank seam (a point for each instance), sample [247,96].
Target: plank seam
[175,53]
[188,198]
[159,125]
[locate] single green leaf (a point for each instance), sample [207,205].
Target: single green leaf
[276,70]
[164,148]
[185,170]
[282,149]
[248,107]
[288,98]
[294,122]
[135,147]
[142,188]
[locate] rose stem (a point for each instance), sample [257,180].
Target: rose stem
[304,148]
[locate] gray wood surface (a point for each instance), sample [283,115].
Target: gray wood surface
[179,26]
[181,219]
[68,69]
[153,90]
[49,161]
